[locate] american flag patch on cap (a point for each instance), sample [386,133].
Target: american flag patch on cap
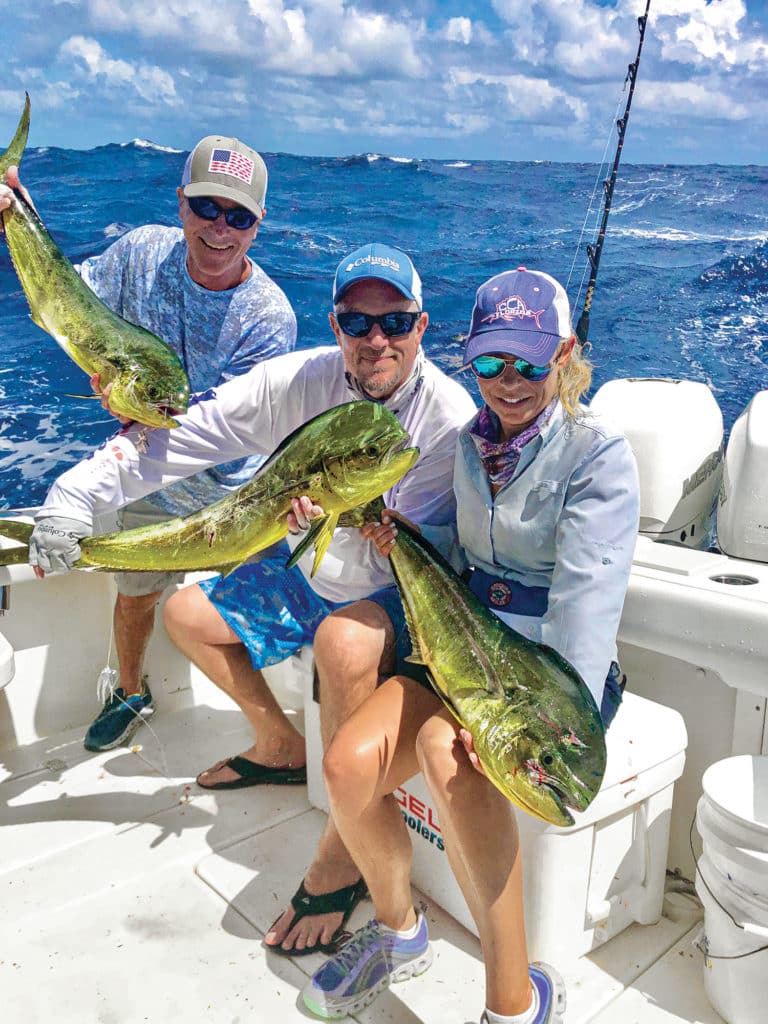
[227,161]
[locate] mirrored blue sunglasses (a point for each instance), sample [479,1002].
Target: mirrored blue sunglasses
[238,217]
[490,367]
[360,325]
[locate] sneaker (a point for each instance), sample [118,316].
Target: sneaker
[118,720]
[368,963]
[550,990]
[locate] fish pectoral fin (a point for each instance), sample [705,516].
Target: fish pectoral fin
[307,540]
[324,538]
[362,514]
[67,394]
[319,536]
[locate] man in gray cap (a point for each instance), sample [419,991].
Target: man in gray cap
[197,288]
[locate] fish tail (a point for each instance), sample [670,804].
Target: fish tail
[15,150]
[15,529]
[14,556]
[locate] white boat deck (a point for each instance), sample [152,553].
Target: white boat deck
[131,895]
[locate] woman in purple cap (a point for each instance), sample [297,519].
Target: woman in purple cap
[548,509]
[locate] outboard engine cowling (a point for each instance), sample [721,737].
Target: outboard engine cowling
[675,428]
[742,511]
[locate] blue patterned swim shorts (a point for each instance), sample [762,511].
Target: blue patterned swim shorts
[275,611]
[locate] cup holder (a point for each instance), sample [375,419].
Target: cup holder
[734,580]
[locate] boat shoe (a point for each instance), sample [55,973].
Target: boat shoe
[118,720]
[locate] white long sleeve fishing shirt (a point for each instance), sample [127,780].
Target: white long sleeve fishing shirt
[567,521]
[252,414]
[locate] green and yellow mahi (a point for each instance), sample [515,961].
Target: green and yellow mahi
[148,380]
[342,458]
[535,725]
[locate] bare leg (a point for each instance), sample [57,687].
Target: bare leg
[372,754]
[134,620]
[353,647]
[482,844]
[201,633]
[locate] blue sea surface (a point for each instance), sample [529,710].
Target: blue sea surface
[682,289]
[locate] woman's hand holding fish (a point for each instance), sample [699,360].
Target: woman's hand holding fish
[384,534]
[469,745]
[95,383]
[304,511]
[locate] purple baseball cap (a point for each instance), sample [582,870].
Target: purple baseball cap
[521,313]
[383,262]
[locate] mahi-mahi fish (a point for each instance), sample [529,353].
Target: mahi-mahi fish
[343,458]
[148,380]
[535,725]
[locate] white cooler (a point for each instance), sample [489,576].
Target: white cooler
[583,884]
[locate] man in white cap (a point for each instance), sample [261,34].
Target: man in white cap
[197,289]
[231,628]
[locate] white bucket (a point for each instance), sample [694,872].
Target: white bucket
[732,883]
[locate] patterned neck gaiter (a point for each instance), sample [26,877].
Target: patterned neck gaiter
[500,458]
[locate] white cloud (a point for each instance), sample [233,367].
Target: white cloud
[711,35]
[526,99]
[469,124]
[458,30]
[577,35]
[321,38]
[692,100]
[151,83]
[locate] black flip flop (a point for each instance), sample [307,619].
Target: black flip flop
[252,774]
[305,904]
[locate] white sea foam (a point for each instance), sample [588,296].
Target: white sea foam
[459,163]
[115,229]
[670,234]
[146,144]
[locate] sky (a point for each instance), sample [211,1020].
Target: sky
[498,79]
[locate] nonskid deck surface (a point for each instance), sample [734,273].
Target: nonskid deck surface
[130,895]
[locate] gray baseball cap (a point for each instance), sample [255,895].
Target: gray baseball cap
[226,167]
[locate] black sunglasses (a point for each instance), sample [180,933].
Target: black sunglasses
[491,367]
[358,325]
[238,217]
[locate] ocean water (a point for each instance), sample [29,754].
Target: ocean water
[682,289]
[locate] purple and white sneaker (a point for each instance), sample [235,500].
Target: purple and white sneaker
[550,992]
[371,961]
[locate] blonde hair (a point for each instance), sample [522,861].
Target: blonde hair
[574,380]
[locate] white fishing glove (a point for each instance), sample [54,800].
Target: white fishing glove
[53,545]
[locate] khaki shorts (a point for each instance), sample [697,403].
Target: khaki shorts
[139,584]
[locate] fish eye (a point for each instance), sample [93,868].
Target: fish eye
[547,760]
[372,450]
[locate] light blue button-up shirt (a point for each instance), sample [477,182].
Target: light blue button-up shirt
[567,520]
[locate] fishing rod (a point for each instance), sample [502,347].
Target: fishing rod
[594,251]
